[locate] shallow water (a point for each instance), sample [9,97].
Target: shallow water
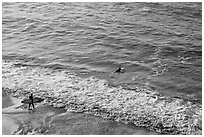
[159,44]
[46,120]
[139,106]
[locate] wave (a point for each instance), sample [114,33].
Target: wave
[142,107]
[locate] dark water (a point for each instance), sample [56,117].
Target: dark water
[159,44]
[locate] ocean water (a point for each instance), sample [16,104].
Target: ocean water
[159,44]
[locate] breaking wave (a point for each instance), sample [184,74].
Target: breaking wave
[142,107]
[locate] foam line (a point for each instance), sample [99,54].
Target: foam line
[141,107]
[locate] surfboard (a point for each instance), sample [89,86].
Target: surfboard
[35,100]
[120,70]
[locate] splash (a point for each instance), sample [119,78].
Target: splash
[141,107]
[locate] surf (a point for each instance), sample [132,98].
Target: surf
[142,107]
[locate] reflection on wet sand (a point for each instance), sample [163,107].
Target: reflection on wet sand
[45,119]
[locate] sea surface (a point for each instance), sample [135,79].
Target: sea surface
[158,44]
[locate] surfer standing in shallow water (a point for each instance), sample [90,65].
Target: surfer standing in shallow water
[31,103]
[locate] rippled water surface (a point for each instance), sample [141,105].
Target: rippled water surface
[159,44]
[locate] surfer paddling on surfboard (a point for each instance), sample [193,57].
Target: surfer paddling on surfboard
[31,102]
[120,70]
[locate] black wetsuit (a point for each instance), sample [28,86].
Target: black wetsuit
[118,70]
[31,98]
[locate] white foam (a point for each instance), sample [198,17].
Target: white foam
[141,107]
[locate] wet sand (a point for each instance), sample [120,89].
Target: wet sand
[45,119]
[142,107]
[6,100]
[8,125]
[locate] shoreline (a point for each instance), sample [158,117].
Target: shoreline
[9,124]
[140,107]
[18,121]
